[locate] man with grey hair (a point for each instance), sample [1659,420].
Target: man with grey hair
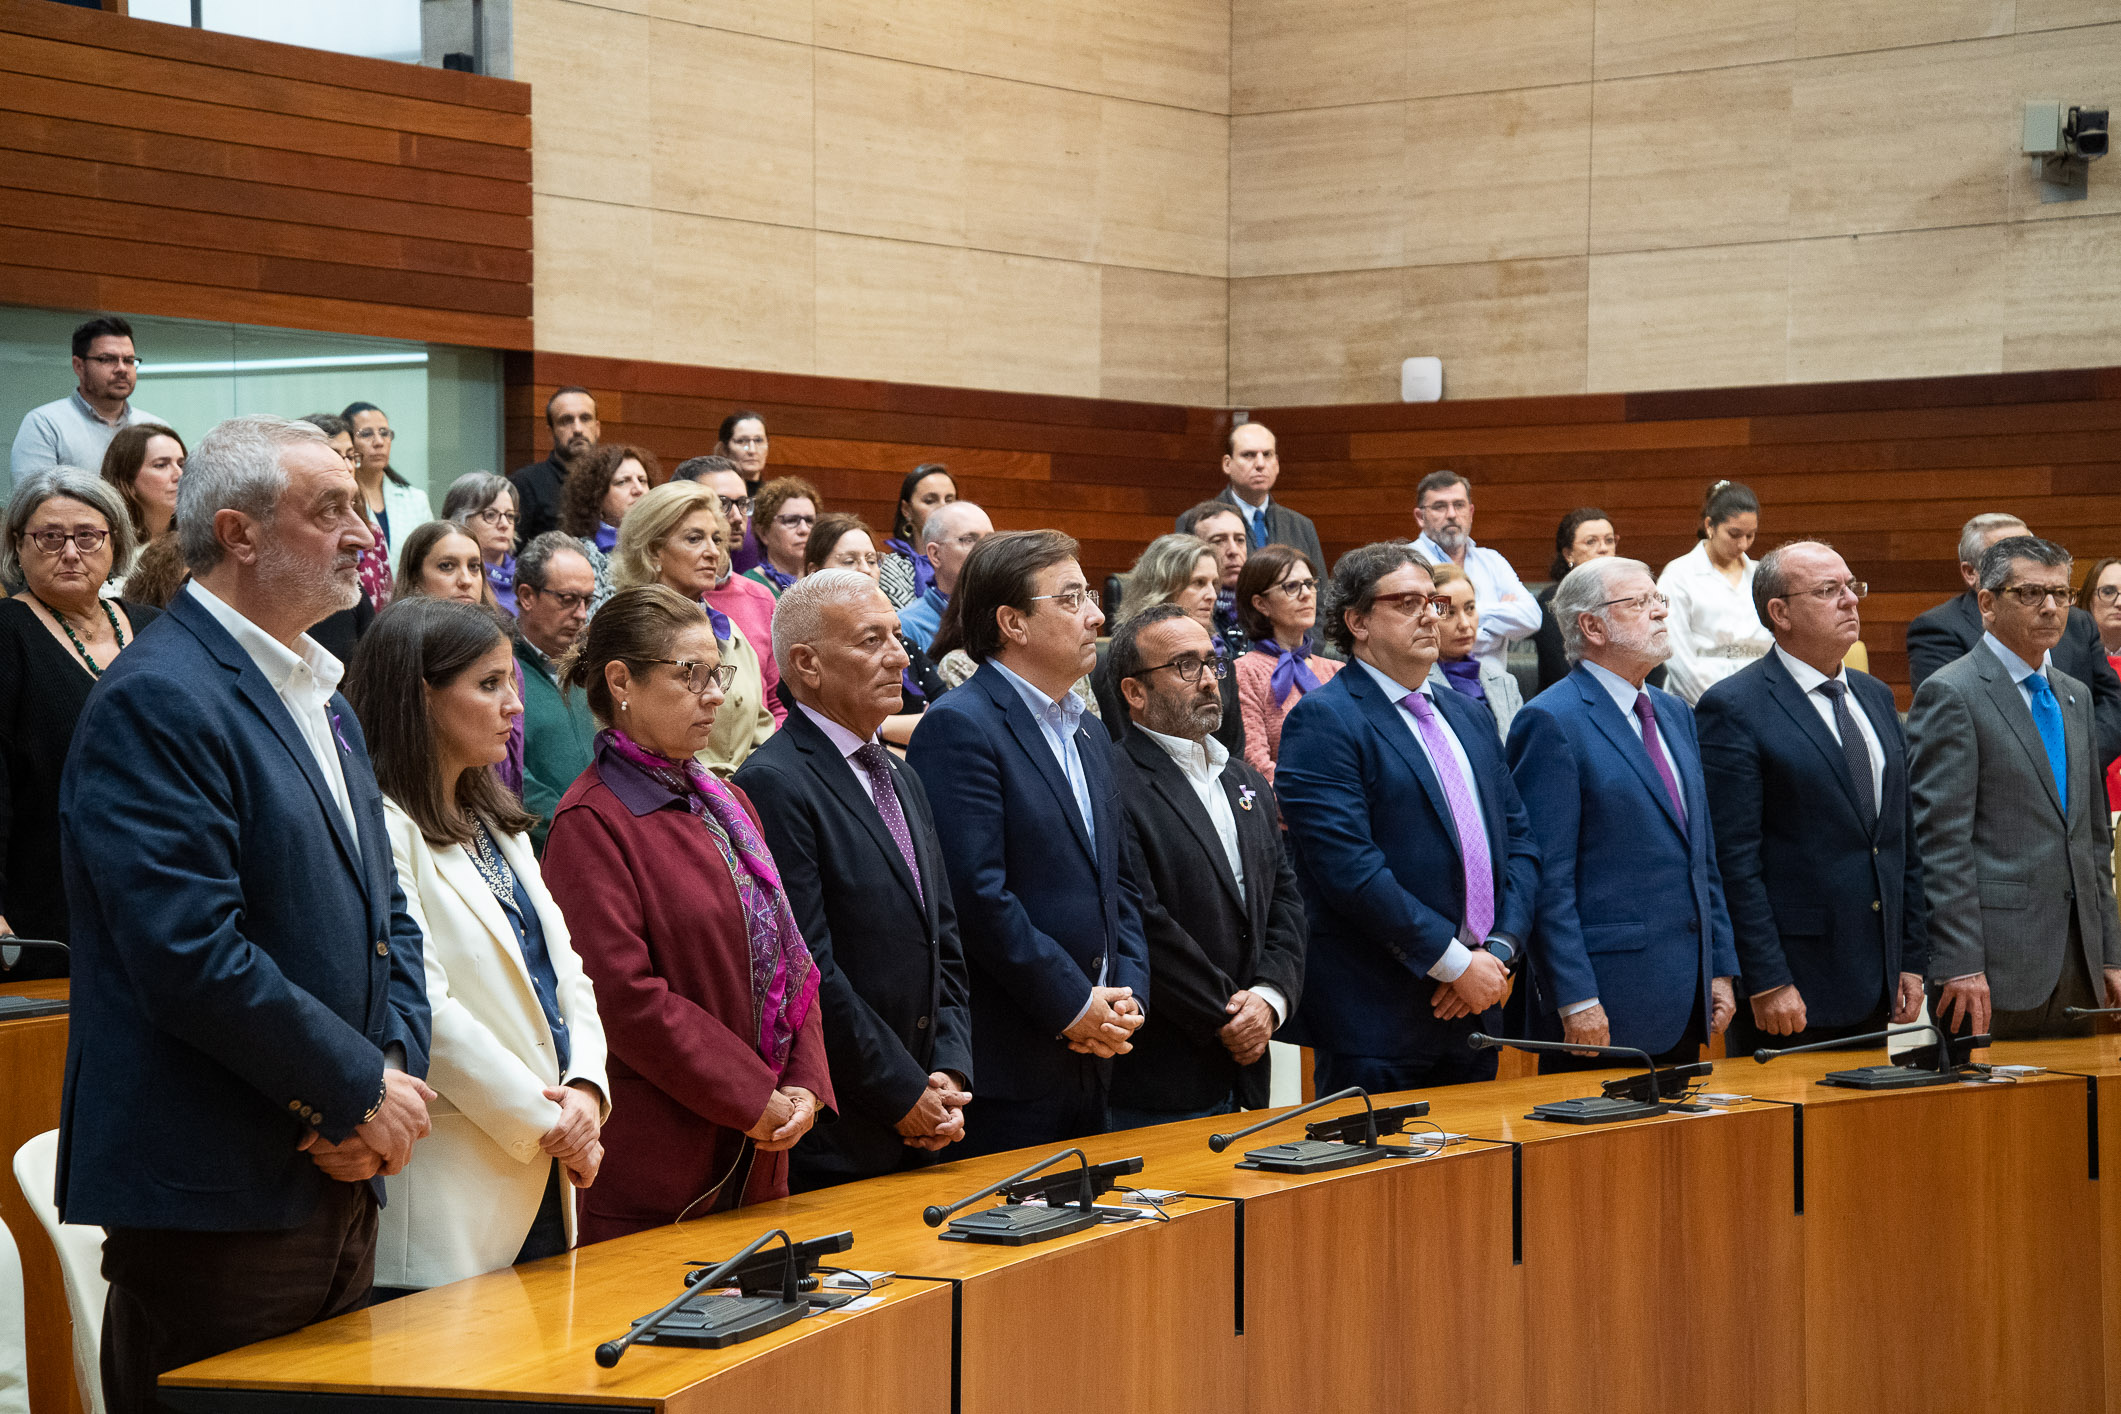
[2010,808]
[854,837]
[1632,943]
[250,1012]
[947,537]
[554,584]
[1952,629]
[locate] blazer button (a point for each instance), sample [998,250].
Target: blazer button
[1876,906]
[382,948]
[921,1025]
[1874,851]
[295,1106]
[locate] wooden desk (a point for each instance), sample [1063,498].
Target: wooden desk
[32,1074]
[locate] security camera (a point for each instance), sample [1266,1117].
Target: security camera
[2063,141]
[2084,133]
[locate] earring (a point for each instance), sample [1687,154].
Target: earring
[623,706]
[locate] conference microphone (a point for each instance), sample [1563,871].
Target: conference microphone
[1913,1071]
[2091,1011]
[1592,1109]
[1220,1142]
[1017,1225]
[1765,1054]
[609,1352]
[1318,1155]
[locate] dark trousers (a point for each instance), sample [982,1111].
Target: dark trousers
[808,1171]
[179,1297]
[2072,988]
[1746,1037]
[1127,1117]
[1380,1075]
[1073,1109]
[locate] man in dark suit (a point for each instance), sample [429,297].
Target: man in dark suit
[250,1013]
[1034,841]
[1807,780]
[1949,632]
[1414,853]
[1251,465]
[571,414]
[854,837]
[1632,944]
[1224,921]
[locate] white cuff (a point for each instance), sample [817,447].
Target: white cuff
[1276,1002]
[1452,965]
[1573,1007]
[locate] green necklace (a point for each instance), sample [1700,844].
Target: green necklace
[75,638]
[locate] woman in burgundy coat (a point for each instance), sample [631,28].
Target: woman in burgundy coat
[708,995]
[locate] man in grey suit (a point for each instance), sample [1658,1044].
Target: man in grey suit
[2010,810]
[1251,465]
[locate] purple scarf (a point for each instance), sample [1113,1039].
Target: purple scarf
[1464,675]
[1292,668]
[780,582]
[784,980]
[502,578]
[923,570]
[605,538]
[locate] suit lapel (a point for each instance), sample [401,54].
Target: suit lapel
[1391,722]
[1172,784]
[2008,700]
[2076,745]
[1877,703]
[1025,728]
[454,864]
[836,773]
[1783,688]
[1605,714]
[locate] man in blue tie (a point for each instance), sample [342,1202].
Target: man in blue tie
[2010,810]
[1251,466]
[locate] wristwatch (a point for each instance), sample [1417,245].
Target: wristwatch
[1505,952]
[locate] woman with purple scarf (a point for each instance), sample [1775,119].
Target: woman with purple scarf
[1277,602]
[1456,632]
[707,992]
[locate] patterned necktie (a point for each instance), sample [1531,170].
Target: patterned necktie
[2047,716]
[1652,744]
[872,761]
[1853,749]
[1472,830]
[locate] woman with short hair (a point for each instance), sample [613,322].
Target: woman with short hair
[598,495]
[485,505]
[1277,605]
[782,513]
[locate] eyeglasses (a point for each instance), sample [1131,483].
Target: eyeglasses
[1298,588]
[1413,601]
[795,522]
[567,602]
[2107,593]
[498,519]
[1071,601]
[747,441]
[699,677]
[114,360]
[53,542]
[1189,669]
[2034,596]
[1828,593]
[738,503]
[1641,601]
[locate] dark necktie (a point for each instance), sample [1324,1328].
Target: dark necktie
[1853,751]
[1652,744]
[872,761]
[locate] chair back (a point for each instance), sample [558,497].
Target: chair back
[80,1261]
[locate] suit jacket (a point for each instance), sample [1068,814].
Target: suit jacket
[1039,908]
[1284,527]
[1207,938]
[1381,866]
[468,1198]
[1953,629]
[1631,907]
[2004,867]
[891,971]
[1816,898]
[240,958]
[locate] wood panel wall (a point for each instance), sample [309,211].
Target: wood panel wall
[1112,474]
[1886,471]
[159,170]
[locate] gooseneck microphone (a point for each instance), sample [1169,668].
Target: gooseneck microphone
[1480,1041]
[936,1217]
[1220,1142]
[1766,1054]
[2091,1011]
[609,1352]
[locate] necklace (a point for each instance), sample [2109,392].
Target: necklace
[492,866]
[75,638]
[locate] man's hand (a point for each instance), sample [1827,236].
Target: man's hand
[401,1122]
[1483,984]
[2113,986]
[931,1119]
[1908,1004]
[803,1105]
[1964,998]
[1723,1004]
[581,1170]
[351,1162]
[1108,1027]
[1250,1027]
[1779,1011]
[576,1129]
[1588,1027]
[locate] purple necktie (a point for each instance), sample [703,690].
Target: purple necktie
[1655,747]
[871,759]
[1472,830]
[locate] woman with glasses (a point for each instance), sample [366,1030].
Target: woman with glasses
[1715,630]
[1183,570]
[485,505]
[441,561]
[741,441]
[905,572]
[707,993]
[1456,631]
[394,504]
[68,532]
[598,495]
[782,514]
[1277,603]
[843,542]
[675,536]
[2101,598]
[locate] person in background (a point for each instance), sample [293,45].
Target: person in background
[1174,569]
[1223,527]
[541,487]
[599,493]
[946,538]
[77,429]
[2100,597]
[707,993]
[783,510]
[68,534]
[676,536]
[905,571]
[1278,596]
[853,835]
[1457,631]
[1443,503]
[554,585]
[742,439]
[1251,466]
[158,573]
[375,560]
[747,603]
[842,541]
[393,503]
[441,561]
[485,505]
[1585,533]
[519,1071]
[1714,627]
[143,464]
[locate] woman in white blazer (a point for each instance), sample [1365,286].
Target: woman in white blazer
[517,1056]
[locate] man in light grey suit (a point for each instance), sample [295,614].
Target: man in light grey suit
[2010,809]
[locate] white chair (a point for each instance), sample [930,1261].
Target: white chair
[80,1261]
[14,1341]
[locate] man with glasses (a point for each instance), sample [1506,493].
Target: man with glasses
[554,584]
[1035,845]
[1443,504]
[1632,946]
[947,539]
[571,415]
[1220,908]
[1415,856]
[76,430]
[1807,779]
[2010,810]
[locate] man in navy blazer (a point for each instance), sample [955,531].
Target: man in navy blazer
[1418,866]
[249,1008]
[1034,841]
[1807,779]
[1632,942]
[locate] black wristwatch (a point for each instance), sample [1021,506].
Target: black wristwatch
[1505,952]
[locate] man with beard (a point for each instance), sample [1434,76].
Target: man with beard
[1224,921]
[1413,850]
[1632,941]
[76,430]
[572,415]
[250,1012]
[1443,503]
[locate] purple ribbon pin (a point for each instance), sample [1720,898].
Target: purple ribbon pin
[339,734]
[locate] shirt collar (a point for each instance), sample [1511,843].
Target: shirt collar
[2016,666]
[82,406]
[938,600]
[1805,675]
[1394,688]
[1617,687]
[307,663]
[530,653]
[1204,759]
[1069,709]
[843,741]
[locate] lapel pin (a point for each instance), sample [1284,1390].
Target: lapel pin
[1244,797]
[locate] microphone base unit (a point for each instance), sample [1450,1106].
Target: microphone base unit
[1889,1077]
[1671,1083]
[714,1321]
[1015,1225]
[1597,1109]
[1316,1156]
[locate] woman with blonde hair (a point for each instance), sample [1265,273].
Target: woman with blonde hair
[1183,570]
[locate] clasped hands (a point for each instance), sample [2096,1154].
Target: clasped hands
[790,1111]
[1591,1027]
[1107,1028]
[937,1118]
[381,1145]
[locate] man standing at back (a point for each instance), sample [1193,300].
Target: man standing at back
[1034,840]
[249,1009]
[571,414]
[1251,466]
[1443,503]
[76,430]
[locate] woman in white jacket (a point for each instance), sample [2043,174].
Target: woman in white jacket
[1714,627]
[517,1055]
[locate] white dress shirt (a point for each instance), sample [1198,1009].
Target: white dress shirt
[2017,667]
[1508,611]
[1808,679]
[1715,630]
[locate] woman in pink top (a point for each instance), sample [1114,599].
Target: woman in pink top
[1277,602]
